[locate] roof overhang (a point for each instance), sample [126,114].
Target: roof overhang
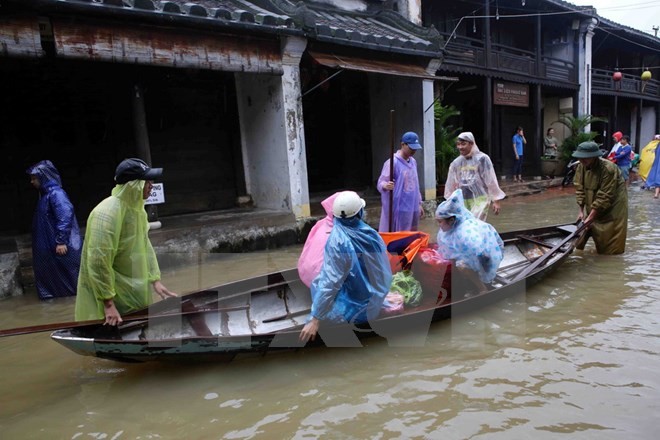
[351,62]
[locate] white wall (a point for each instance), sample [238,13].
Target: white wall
[263,139]
[411,9]
[648,127]
[273,136]
[551,113]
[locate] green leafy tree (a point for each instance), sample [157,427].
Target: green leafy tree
[445,139]
[578,135]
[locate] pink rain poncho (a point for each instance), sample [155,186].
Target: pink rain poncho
[118,261]
[311,258]
[470,242]
[476,177]
[407,198]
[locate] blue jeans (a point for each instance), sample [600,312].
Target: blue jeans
[624,172]
[517,166]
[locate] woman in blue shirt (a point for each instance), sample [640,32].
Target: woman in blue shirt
[518,142]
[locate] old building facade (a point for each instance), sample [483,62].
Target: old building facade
[257,101]
[267,102]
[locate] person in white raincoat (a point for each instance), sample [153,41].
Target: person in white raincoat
[473,173]
[118,262]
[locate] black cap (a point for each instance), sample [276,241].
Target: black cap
[135,169]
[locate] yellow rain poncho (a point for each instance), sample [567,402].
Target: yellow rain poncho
[118,261]
[646,158]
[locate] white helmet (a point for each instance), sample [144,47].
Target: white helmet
[347,204]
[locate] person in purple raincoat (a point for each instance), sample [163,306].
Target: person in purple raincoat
[56,242]
[407,200]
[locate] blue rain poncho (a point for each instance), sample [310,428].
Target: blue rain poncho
[54,223]
[118,261]
[470,242]
[355,276]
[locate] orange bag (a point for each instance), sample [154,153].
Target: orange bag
[403,246]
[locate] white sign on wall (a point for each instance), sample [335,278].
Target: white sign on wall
[157,195]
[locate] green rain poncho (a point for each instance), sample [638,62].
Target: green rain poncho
[602,188]
[118,261]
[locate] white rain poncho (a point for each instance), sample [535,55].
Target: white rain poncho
[475,176]
[118,261]
[355,276]
[470,242]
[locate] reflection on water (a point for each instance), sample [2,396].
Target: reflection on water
[578,355]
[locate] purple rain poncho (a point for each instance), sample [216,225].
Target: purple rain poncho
[407,198]
[355,276]
[470,242]
[54,223]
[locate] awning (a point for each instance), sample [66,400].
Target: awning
[375,66]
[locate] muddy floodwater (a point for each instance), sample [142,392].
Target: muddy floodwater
[576,356]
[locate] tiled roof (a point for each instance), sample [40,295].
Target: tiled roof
[604,22]
[222,11]
[376,29]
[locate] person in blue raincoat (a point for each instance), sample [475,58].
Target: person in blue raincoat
[474,245]
[355,276]
[56,242]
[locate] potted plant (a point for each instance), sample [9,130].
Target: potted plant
[576,125]
[552,165]
[445,141]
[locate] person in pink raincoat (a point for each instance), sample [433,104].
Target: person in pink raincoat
[407,199]
[311,258]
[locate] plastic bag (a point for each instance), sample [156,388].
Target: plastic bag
[433,272]
[411,289]
[393,304]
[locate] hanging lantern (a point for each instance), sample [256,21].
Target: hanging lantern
[616,76]
[646,76]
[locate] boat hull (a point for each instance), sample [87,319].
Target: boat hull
[265,314]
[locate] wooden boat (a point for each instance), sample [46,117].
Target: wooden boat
[266,313]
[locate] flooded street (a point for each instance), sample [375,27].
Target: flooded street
[578,354]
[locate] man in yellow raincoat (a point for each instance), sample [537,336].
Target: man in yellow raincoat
[118,263]
[603,200]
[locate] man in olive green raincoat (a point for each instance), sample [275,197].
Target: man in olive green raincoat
[603,200]
[118,263]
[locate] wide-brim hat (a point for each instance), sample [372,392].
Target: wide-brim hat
[586,150]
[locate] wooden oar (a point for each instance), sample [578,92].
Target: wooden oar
[74,324]
[164,304]
[545,257]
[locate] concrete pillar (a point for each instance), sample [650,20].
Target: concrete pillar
[292,51]
[584,66]
[427,173]
[272,135]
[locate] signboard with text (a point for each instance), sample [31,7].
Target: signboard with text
[516,95]
[157,195]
